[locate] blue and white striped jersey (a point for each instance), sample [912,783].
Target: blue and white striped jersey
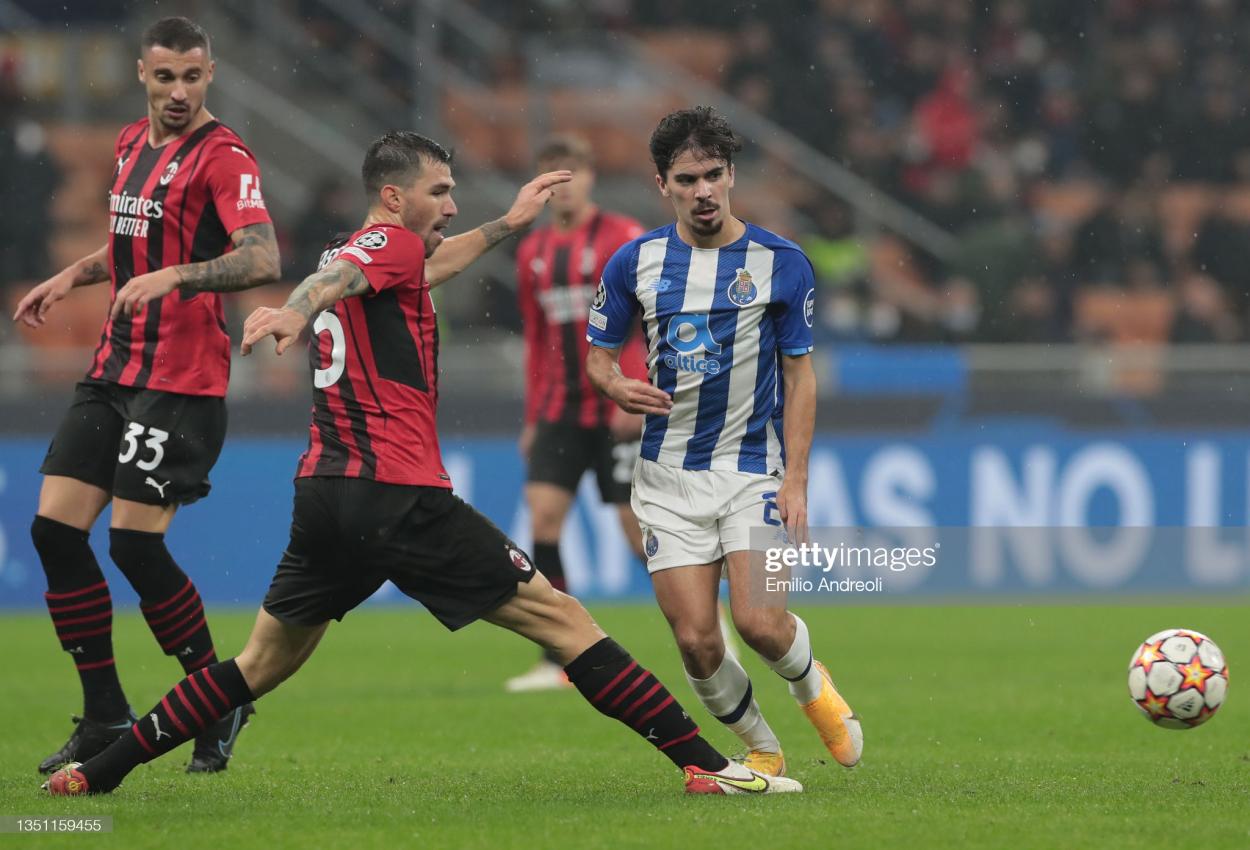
[716,322]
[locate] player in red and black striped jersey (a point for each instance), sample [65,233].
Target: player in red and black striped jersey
[186,221]
[568,426]
[373,502]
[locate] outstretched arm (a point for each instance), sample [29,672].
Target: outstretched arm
[33,309]
[253,262]
[457,252]
[320,290]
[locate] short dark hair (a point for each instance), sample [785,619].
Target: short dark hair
[701,129]
[566,146]
[178,34]
[398,157]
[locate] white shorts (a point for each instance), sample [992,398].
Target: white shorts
[695,516]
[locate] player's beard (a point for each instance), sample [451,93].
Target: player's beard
[710,228]
[176,121]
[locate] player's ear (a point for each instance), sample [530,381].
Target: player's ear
[143,76]
[662,183]
[212,66]
[391,199]
[730,184]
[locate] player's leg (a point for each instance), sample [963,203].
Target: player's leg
[679,513]
[558,457]
[78,472]
[463,568]
[322,575]
[688,598]
[765,624]
[170,445]
[273,653]
[781,639]
[617,686]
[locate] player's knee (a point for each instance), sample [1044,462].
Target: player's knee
[137,553]
[59,546]
[701,647]
[762,629]
[547,525]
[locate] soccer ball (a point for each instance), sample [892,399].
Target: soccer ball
[1178,678]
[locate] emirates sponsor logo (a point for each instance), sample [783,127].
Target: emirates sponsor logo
[129,215]
[566,304]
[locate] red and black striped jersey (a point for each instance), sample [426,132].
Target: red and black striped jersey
[168,206]
[557,274]
[374,361]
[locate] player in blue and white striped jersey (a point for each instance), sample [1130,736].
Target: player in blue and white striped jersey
[727,314]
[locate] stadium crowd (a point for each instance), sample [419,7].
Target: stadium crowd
[1091,160]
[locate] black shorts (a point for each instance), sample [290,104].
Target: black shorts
[562,452]
[350,535]
[139,444]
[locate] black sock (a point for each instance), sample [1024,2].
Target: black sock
[194,704]
[81,608]
[168,598]
[547,559]
[615,684]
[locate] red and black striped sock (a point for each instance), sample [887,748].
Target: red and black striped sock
[547,560]
[194,704]
[616,685]
[81,607]
[167,597]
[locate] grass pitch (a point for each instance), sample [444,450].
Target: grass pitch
[985,727]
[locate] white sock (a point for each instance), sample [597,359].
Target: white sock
[727,695]
[796,666]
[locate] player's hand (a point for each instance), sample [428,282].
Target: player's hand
[526,441]
[141,289]
[634,396]
[792,508]
[282,323]
[32,310]
[626,427]
[533,196]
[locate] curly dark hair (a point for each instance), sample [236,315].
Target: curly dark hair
[700,129]
[398,157]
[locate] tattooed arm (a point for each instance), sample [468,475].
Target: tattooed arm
[253,262]
[455,254]
[33,309]
[320,290]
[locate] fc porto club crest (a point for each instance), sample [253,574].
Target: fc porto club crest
[652,545]
[742,291]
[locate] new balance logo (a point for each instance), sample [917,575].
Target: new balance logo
[160,488]
[156,724]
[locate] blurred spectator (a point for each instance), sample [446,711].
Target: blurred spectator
[1122,236]
[30,176]
[1202,313]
